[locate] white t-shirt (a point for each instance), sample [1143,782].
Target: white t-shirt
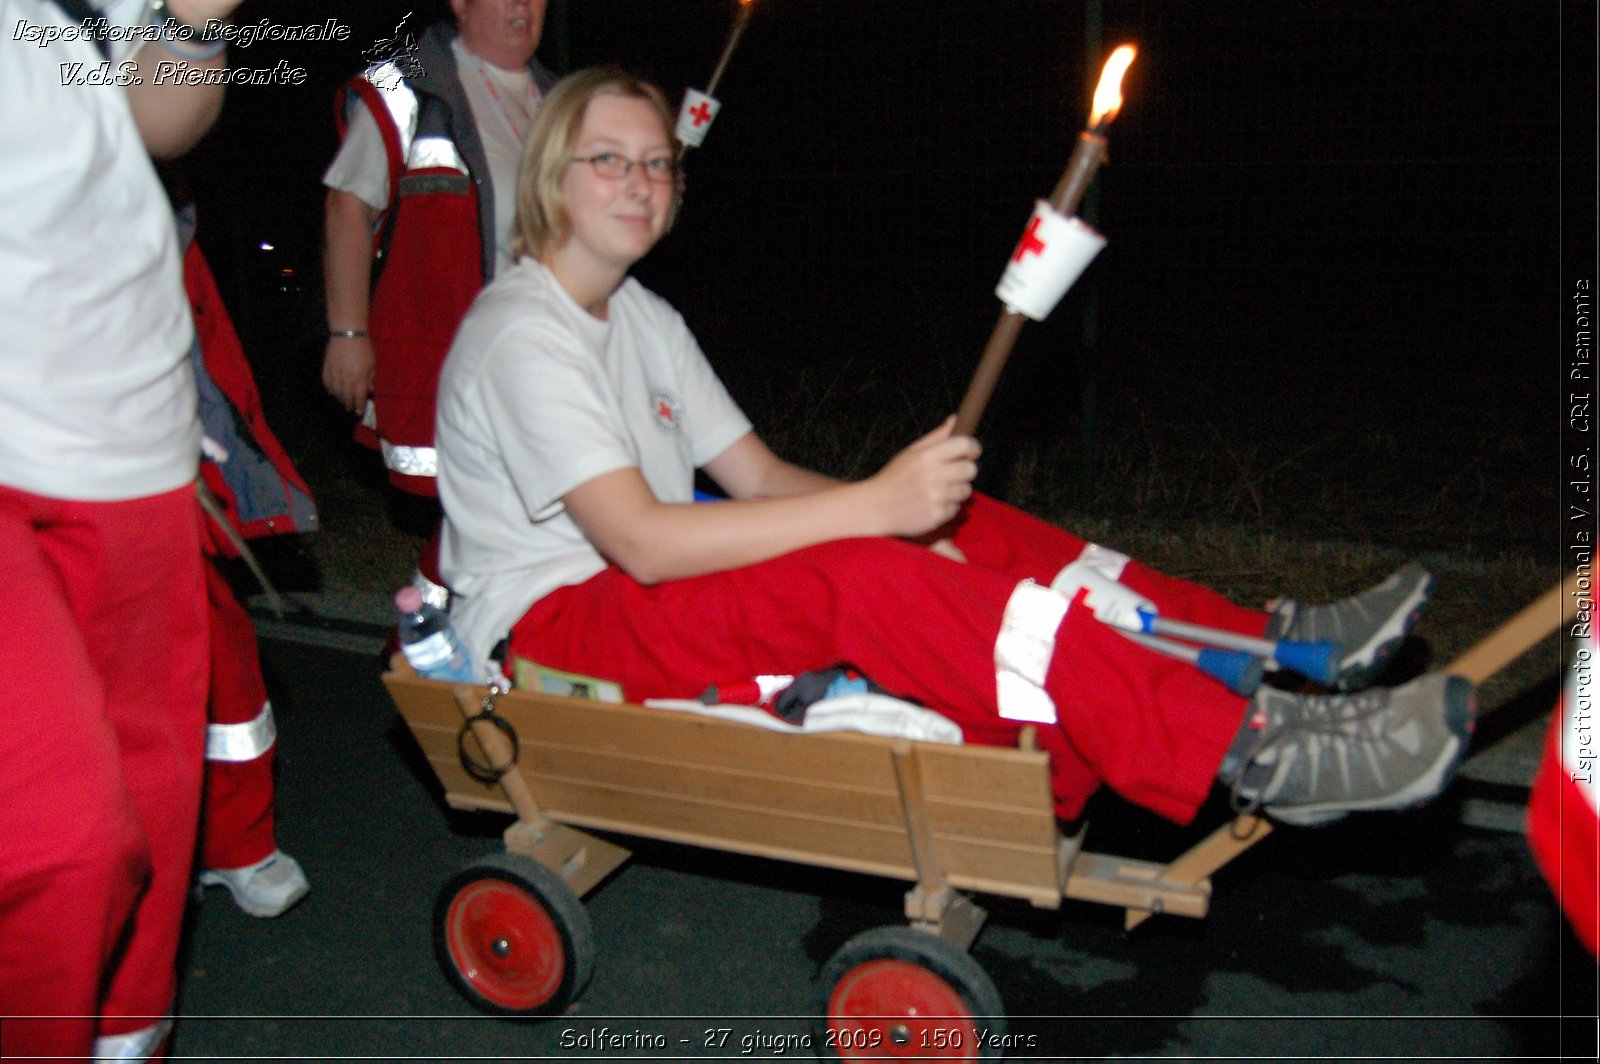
[537,397]
[502,103]
[97,401]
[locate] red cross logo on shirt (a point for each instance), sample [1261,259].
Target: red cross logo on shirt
[1030,241]
[666,410]
[701,113]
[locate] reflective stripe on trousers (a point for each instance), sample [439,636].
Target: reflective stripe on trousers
[242,742]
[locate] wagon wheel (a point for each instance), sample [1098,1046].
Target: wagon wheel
[512,936]
[894,992]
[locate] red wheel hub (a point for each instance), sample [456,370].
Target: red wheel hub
[890,1008]
[504,944]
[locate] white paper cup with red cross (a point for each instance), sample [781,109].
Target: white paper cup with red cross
[1052,254]
[695,116]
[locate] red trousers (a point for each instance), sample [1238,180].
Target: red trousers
[925,628]
[236,824]
[102,716]
[1563,817]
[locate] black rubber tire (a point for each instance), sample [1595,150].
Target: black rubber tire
[947,970]
[498,925]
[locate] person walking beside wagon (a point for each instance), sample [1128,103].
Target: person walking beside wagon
[257,492]
[423,184]
[102,681]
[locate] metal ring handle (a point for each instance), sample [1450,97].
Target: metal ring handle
[482,771]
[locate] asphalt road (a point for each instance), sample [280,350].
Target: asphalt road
[1409,936]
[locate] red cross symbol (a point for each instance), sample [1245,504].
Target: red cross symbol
[1029,242]
[701,113]
[664,411]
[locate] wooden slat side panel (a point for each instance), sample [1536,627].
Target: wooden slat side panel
[725,827]
[439,747]
[995,778]
[975,866]
[755,790]
[469,804]
[864,799]
[562,794]
[954,818]
[824,799]
[458,785]
[421,702]
[971,864]
[674,736]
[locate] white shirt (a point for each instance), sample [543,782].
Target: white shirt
[97,400]
[502,103]
[537,397]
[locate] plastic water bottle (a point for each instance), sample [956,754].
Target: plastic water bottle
[430,642]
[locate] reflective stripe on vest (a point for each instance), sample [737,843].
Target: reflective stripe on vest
[411,461]
[242,742]
[434,152]
[1022,652]
[400,99]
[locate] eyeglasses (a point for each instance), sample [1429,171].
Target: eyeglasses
[608,164]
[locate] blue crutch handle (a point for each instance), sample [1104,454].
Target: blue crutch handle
[1239,671]
[1318,661]
[1314,661]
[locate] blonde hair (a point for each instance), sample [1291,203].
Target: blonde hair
[542,223]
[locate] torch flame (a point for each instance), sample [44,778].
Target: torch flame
[1108,94]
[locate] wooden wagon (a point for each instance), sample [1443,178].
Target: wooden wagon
[512,933]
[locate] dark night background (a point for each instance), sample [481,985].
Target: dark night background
[1328,222]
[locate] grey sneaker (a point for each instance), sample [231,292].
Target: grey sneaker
[1368,627]
[1310,759]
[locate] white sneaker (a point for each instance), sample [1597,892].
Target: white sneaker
[266,888]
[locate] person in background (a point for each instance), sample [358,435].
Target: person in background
[575,408]
[1564,805]
[257,492]
[103,677]
[425,177]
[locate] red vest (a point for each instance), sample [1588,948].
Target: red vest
[435,245]
[431,271]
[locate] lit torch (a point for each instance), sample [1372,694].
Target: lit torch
[1055,248]
[700,106]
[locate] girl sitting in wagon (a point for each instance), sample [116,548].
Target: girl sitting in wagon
[575,407]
